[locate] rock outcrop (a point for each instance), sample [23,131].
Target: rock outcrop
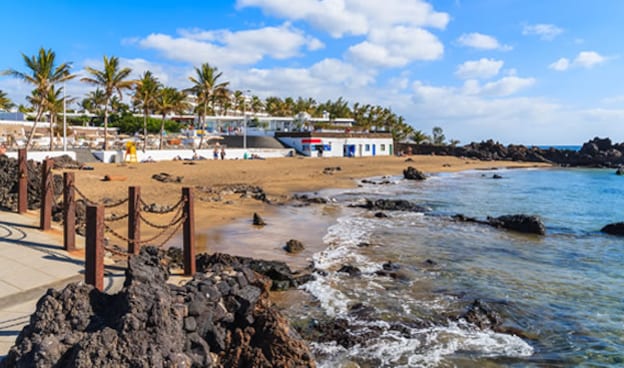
[412,173]
[221,318]
[614,229]
[294,246]
[390,205]
[521,223]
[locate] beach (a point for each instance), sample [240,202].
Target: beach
[279,178]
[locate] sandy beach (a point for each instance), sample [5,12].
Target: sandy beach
[279,178]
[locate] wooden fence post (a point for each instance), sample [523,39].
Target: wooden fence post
[46,195]
[22,192]
[188,232]
[69,212]
[134,222]
[94,247]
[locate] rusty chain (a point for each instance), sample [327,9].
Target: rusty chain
[117,252]
[169,210]
[115,218]
[142,242]
[173,222]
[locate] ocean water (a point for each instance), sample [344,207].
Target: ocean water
[564,291]
[568,147]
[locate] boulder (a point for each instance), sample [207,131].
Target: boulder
[412,173]
[520,223]
[257,220]
[614,229]
[351,270]
[294,246]
[167,178]
[619,171]
[221,318]
[391,205]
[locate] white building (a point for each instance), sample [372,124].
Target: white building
[338,144]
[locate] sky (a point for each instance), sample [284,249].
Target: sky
[516,71]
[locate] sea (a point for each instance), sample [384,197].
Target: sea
[563,291]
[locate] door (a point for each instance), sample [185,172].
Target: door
[374,150]
[359,150]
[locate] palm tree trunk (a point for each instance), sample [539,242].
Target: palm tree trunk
[162,132]
[32,132]
[106,124]
[52,118]
[201,140]
[144,130]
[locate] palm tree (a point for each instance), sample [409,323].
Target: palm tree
[256,104]
[5,102]
[145,95]
[43,74]
[169,100]
[206,86]
[113,80]
[53,103]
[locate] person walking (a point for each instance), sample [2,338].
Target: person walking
[223,152]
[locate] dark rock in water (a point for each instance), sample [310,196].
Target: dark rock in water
[496,176]
[389,266]
[294,246]
[351,270]
[520,223]
[150,323]
[482,315]
[619,171]
[380,215]
[361,311]
[412,173]
[167,178]
[307,199]
[614,229]
[257,220]
[430,262]
[391,205]
[280,274]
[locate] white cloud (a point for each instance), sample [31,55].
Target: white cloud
[589,59]
[224,47]
[482,42]
[560,65]
[396,47]
[354,17]
[477,69]
[507,86]
[546,32]
[585,59]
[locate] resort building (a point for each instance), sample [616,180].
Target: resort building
[327,144]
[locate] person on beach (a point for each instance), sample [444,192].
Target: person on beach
[2,149]
[223,152]
[215,153]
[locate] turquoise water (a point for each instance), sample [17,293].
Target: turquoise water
[564,147]
[565,290]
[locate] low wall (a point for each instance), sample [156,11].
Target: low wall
[187,154]
[41,155]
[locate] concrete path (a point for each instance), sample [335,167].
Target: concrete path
[31,262]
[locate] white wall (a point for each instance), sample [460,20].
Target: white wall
[187,154]
[338,144]
[41,155]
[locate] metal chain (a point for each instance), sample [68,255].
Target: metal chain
[115,218]
[80,194]
[128,240]
[117,252]
[156,226]
[116,204]
[177,228]
[169,210]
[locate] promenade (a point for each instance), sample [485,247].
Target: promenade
[31,262]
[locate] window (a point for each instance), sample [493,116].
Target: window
[367,148]
[382,147]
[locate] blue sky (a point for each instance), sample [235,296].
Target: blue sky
[517,71]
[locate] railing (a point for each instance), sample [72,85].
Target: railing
[179,216]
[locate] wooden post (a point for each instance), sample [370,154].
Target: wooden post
[69,212]
[22,192]
[134,222]
[46,195]
[94,248]
[188,232]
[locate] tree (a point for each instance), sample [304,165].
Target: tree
[205,87]
[256,104]
[169,100]
[145,95]
[43,74]
[419,137]
[438,135]
[113,80]
[5,102]
[53,104]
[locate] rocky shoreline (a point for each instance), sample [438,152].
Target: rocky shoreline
[598,152]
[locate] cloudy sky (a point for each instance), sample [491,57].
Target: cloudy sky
[517,71]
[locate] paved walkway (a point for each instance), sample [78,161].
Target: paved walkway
[31,262]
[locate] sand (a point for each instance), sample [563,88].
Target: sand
[279,178]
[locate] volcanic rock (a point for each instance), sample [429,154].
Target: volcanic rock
[294,246]
[351,270]
[167,178]
[520,223]
[412,173]
[614,229]
[150,323]
[257,220]
[391,205]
